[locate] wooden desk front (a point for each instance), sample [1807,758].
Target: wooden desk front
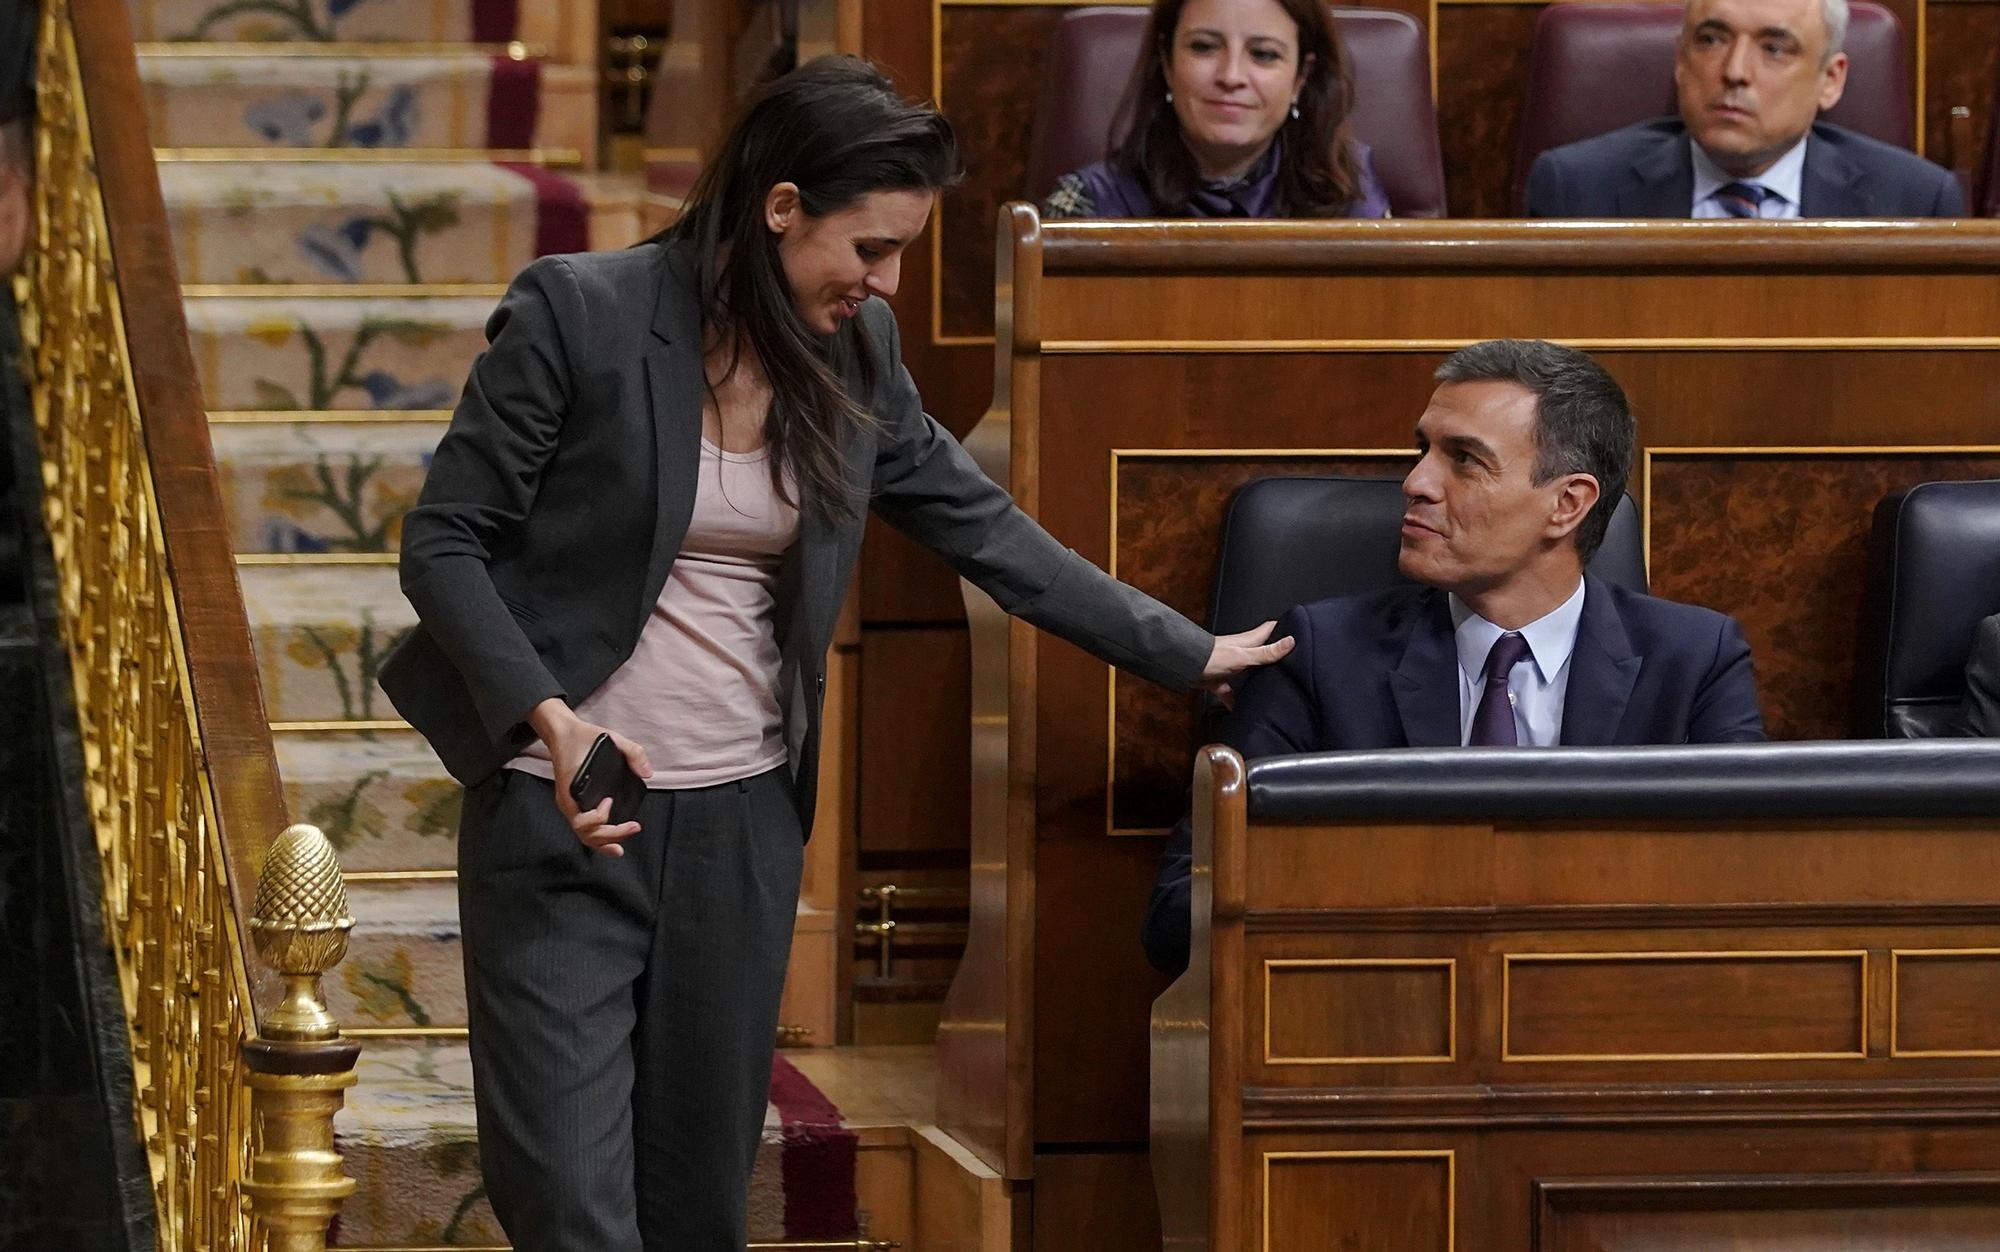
[1786,375]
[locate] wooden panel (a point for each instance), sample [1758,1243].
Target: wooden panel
[1944,1003]
[1359,1010]
[1632,1006]
[915,773]
[1095,1202]
[992,61]
[1962,43]
[1359,1201]
[1867,1213]
[1168,512]
[1482,75]
[1796,529]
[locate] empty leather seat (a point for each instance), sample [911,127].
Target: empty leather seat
[1288,541]
[1933,576]
[1093,52]
[1594,68]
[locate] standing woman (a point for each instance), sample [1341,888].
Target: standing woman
[1238,108]
[642,522]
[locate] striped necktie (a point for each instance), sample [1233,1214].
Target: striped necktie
[1743,199]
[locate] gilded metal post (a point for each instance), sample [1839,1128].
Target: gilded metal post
[298,1069]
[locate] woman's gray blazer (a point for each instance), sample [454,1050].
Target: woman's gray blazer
[561,492]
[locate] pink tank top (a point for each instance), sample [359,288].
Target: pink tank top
[700,691]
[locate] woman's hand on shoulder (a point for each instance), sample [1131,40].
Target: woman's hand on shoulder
[1235,655]
[568,739]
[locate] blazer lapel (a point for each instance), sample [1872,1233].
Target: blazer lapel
[1425,681]
[1832,185]
[674,385]
[1663,183]
[1602,671]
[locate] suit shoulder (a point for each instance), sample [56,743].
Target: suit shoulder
[1881,160]
[620,272]
[1658,620]
[1368,616]
[1617,147]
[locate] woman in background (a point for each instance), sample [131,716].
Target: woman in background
[1239,108]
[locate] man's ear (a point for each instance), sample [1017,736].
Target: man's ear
[782,207]
[1575,498]
[1833,81]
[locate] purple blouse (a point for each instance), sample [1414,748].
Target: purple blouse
[1103,190]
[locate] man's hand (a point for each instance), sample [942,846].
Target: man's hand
[568,737]
[1235,654]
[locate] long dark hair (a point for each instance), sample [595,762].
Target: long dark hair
[835,127]
[1318,175]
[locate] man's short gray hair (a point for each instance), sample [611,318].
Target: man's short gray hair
[1835,14]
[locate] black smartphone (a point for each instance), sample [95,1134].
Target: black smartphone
[604,772]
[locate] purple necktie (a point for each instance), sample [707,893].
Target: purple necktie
[1493,724]
[1743,199]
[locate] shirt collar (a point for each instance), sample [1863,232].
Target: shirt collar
[1551,637]
[1785,177]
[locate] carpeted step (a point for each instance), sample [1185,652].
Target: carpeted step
[331,352]
[404,957]
[321,486]
[321,633]
[410,1141]
[381,797]
[325,21]
[366,222]
[457,100]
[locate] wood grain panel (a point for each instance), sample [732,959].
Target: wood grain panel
[1795,530]
[1962,58]
[916,700]
[1333,1011]
[1169,514]
[1482,76]
[992,62]
[1630,1006]
[1865,1213]
[1095,1202]
[1945,1002]
[1363,1201]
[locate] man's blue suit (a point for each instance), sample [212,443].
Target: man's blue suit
[1381,671]
[1647,170]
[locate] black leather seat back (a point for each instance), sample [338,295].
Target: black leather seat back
[1933,576]
[1288,541]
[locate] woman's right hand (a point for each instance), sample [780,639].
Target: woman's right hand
[568,737]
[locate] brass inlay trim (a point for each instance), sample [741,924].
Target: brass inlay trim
[356,725]
[402,875]
[1111,826]
[315,558]
[1450,966]
[1796,343]
[1896,956]
[279,51]
[404,1032]
[1447,1155]
[555,158]
[246,417]
[349,291]
[1692,452]
[1509,959]
[858,1244]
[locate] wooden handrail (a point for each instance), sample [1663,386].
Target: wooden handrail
[215,629]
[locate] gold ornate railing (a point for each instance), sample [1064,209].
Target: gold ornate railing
[181,780]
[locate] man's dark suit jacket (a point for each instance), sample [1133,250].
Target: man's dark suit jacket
[559,496]
[1647,170]
[1381,671]
[1981,711]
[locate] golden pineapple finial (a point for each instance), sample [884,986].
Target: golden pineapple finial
[300,923]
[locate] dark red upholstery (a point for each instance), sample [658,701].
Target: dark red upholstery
[1594,68]
[1093,51]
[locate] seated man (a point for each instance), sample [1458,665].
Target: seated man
[1751,75]
[1505,641]
[1980,713]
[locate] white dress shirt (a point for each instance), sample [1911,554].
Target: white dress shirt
[1785,177]
[1540,684]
